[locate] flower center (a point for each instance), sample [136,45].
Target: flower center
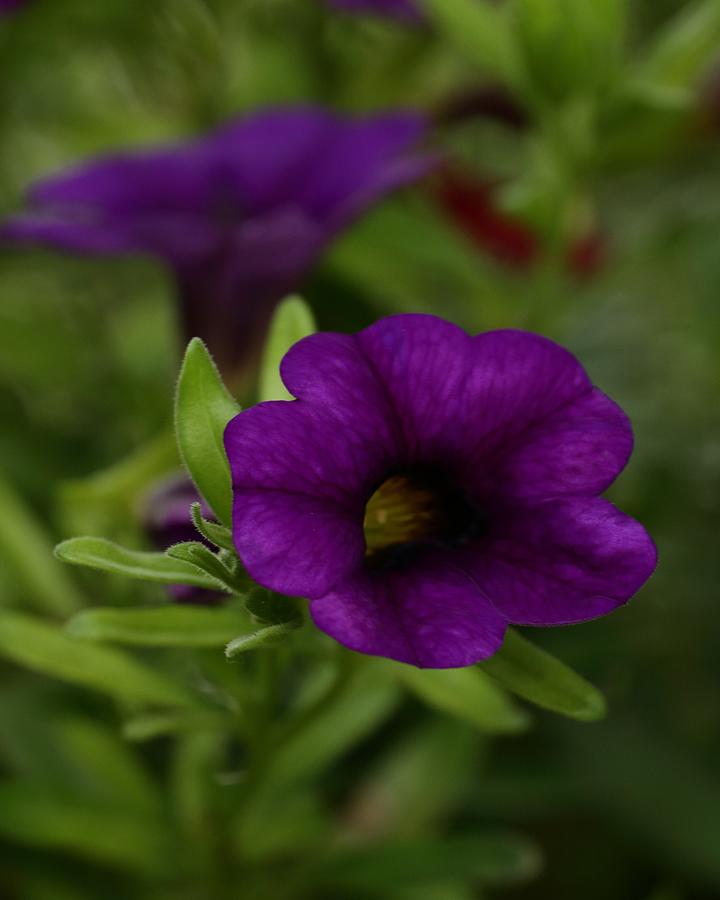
[417,507]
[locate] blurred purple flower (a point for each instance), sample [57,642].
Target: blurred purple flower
[239,215]
[427,488]
[167,521]
[8,6]
[404,10]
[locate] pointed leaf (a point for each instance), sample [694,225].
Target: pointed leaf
[462,694]
[197,554]
[29,815]
[680,50]
[292,321]
[347,713]
[272,608]
[203,407]
[36,645]
[121,486]
[537,676]
[402,790]
[147,726]
[27,551]
[111,772]
[263,636]
[569,47]
[99,553]
[481,31]
[165,626]
[211,531]
[488,858]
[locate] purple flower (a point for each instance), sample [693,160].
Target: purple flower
[403,10]
[9,6]
[239,215]
[167,521]
[427,488]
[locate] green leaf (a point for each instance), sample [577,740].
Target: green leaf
[537,676]
[211,531]
[480,30]
[165,626]
[292,321]
[403,783]
[197,554]
[263,636]
[461,693]
[346,714]
[291,823]
[109,770]
[490,859]
[198,757]
[569,46]
[29,815]
[26,550]
[36,645]
[99,553]
[272,608]
[683,47]
[158,724]
[97,502]
[203,407]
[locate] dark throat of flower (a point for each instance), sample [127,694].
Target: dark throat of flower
[413,510]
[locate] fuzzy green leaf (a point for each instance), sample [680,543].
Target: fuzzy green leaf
[29,815]
[203,407]
[99,553]
[262,637]
[493,858]
[165,626]
[36,645]
[479,29]
[26,551]
[272,608]
[461,693]
[197,554]
[537,676]
[211,531]
[292,321]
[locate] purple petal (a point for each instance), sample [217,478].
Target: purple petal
[331,372]
[263,159]
[8,6]
[73,235]
[579,449]
[561,561]
[359,163]
[425,364]
[337,449]
[403,10]
[176,179]
[296,544]
[302,470]
[329,167]
[509,411]
[228,298]
[178,238]
[183,202]
[430,615]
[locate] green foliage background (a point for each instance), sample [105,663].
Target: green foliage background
[101,797]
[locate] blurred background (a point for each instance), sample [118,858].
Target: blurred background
[578,195]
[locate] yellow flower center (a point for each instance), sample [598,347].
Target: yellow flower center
[417,508]
[401,511]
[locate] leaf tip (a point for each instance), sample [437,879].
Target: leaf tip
[593,709]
